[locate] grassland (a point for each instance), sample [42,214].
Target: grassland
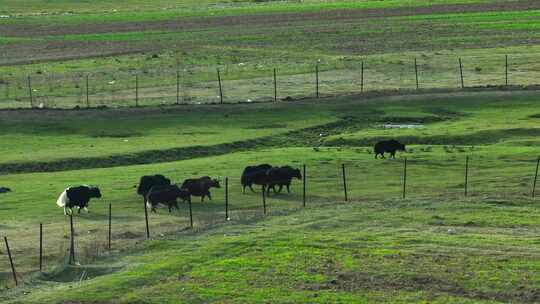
[384,252]
[58,50]
[500,181]
[436,245]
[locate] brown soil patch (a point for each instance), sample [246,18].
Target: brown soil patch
[197,23]
[316,25]
[358,281]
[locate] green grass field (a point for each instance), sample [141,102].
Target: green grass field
[58,50]
[496,130]
[435,245]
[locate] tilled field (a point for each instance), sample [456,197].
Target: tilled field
[337,30]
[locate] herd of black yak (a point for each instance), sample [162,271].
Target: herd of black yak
[157,190]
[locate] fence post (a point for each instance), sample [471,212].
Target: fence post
[11,262]
[136,90]
[275,85]
[362,78]
[535,176]
[87,93]
[264,199]
[177,87]
[226,198]
[40,247]
[72,240]
[404,177]
[146,219]
[344,182]
[30,93]
[466,175]
[220,88]
[190,214]
[416,73]
[110,225]
[461,73]
[506,70]
[304,185]
[317,80]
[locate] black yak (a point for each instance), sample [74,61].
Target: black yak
[281,176]
[4,190]
[148,181]
[390,146]
[254,175]
[166,195]
[200,186]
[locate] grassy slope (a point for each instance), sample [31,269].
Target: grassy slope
[43,136]
[382,251]
[30,136]
[499,168]
[391,252]
[518,125]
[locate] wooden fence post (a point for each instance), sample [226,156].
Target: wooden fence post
[136,90]
[110,225]
[190,214]
[220,88]
[535,176]
[362,77]
[30,92]
[304,177]
[506,70]
[227,199]
[40,247]
[87,93]
[466,175]
[275,85]
[416,73]
[404,177]
[344,182]
[317,80]
[177,87]
[11,262]
[264,199]
[72,241]
[146,219]
[461,74]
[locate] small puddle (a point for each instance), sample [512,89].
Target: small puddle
[402,126]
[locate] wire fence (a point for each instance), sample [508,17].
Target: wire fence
[113,227]
[258,83]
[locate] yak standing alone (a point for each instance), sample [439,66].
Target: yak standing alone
[390,146]
[77,197]
[4,190]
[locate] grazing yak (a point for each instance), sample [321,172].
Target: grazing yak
[281,176]
[166,195]
[390,146]
[200,186]
[4,190]
[77,197]
[148,181]
[254,175]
